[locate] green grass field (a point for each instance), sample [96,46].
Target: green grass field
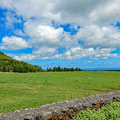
[28,90]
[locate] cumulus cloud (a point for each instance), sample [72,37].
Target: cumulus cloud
[80,52]
[77,11]
[96,38]
[23,57]
[99,36]
[85,12]
[43,34]
[73,53]
[13,43]
[44,52]
[41,53]
[107,12]
[30,8]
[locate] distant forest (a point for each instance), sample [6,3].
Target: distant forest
[8,64]
[23,67]
[59,69]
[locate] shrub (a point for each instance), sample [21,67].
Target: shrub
[108,112]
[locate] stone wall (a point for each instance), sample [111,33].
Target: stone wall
[63,110]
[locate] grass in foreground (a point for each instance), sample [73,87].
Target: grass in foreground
[28,90]
[108,112]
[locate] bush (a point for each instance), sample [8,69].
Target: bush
[18,66]
[108,112]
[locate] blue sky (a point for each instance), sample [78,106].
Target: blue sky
[68,33]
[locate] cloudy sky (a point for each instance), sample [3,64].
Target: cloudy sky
[69,33]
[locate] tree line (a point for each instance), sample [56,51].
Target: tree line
[59,69]
[23,67]
[7,64]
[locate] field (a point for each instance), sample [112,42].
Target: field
[27,90]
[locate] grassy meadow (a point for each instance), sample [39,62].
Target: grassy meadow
[28,90]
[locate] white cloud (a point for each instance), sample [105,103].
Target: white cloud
[75,11]
[83,12]
[70,54]
[44,52]
[99,36]
[80,52]
[94,17]
[47,35]
[6,4]
[13,43]
[41,53]
[107,12]
[11,19]
[68,41]
[23,57]
[30,8]
[19,33]
[43,35]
